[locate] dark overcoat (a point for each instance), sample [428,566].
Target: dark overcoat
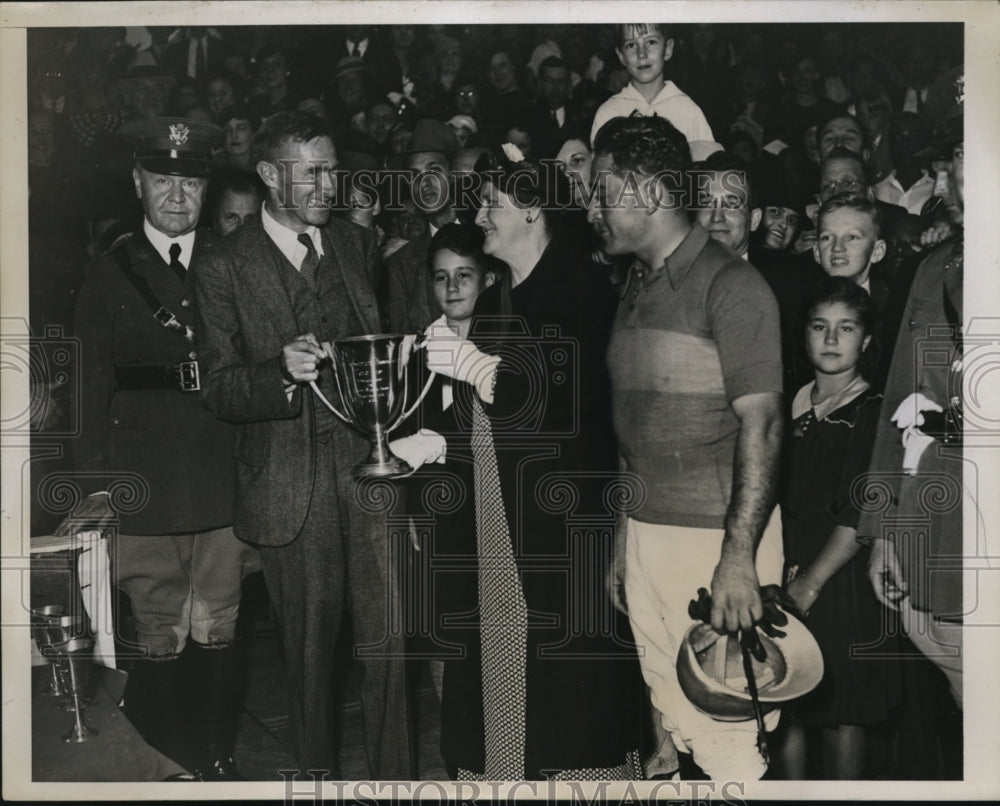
[557,461]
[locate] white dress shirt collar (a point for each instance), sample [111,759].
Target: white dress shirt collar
[803,400]
[161,243]
[362,47]
[287,240]
[669,91]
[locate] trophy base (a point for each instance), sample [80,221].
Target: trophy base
[391,468]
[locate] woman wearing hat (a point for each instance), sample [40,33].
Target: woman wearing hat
[552,697]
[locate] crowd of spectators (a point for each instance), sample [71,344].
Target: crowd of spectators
[765,90]
[830,128]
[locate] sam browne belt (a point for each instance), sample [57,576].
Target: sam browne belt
[183,377]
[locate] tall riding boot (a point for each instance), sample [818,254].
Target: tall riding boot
[152,705]
[215,687]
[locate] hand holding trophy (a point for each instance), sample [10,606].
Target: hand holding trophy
[374,387]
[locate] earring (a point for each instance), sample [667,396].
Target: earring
[529,219]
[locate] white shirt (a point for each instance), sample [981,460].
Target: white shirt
[670,103]
[891,191]
[287,240]
[911,104]
[161,243]
[362,47]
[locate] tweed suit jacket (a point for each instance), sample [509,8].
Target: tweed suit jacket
[245,316]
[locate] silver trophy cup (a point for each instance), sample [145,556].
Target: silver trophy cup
[374,387]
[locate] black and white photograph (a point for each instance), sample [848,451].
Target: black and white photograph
[500,400]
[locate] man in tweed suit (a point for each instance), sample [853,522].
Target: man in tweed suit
[289,279]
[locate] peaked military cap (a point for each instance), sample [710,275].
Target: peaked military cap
[174,146]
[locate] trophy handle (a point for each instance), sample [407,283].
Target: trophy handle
[417,402]
[327,403]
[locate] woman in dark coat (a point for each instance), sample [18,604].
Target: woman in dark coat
[558,683]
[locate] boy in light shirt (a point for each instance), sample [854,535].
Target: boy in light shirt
[643,49]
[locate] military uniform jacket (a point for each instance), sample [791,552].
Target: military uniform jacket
[246,317]
[164,459]
[899,507]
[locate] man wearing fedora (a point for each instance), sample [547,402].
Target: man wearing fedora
[145,87]
[288,280]
[411,304]
[156,464]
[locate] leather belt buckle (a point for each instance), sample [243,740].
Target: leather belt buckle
[188,377]
[164,317]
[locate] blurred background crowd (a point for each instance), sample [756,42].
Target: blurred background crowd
[765,90]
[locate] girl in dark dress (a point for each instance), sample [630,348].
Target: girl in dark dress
[557,690]
[829,445]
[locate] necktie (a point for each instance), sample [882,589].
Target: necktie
[200,57]
[175,262]
[355,47]
[310,264]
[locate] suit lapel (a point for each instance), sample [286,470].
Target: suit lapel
[415,271]
[144,259]
[346,257]
[257,270]
[200,237]
[147,263]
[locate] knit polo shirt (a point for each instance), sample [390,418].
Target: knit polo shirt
[690,337]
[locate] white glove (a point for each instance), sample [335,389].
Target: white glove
[405,351]
[915,442]
[908,413]
[450,355]
[424,447]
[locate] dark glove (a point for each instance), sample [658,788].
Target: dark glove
[773,599]
[701,610]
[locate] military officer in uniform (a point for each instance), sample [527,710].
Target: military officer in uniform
[916,561]
[159,466]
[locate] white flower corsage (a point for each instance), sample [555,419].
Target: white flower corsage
[512,152]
